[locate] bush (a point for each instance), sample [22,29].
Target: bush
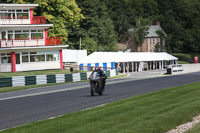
[182,57]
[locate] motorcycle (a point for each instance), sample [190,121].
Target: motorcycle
[96,84]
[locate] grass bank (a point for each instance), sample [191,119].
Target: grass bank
[149,113]
[10,89]
[183,62]
[196,129]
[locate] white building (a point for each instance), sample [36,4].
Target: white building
[24,43]
[128,62]
[71,55]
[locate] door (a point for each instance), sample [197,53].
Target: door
[3,39]
[18,61]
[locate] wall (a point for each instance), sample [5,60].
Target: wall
[191,67]
[40,65]
[5,67]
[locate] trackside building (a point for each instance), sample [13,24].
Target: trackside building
[24,43]
[128,62]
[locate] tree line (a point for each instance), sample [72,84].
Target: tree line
[97,25]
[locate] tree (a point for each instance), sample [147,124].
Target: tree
[89,44]
[137,34]
[97,25]
[160,46]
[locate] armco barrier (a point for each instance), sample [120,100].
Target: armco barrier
[83,76]
[76,77]
[18,81]
[60,78]
[30,80]
[51,79]
[45,79]
[41,79]
[6,82]
[68,78]
[108,73]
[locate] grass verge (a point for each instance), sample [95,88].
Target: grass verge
[149,113]
[10,89]
[195,129]
[183,62]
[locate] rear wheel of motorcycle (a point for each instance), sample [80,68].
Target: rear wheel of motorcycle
[100,93]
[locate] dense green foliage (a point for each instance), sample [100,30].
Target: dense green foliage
[99,24]
[181,56]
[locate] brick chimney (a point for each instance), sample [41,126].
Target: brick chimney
[158,23]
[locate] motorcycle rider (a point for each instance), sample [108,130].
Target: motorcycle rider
[102,76]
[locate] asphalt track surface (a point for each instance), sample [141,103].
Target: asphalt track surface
[18,108]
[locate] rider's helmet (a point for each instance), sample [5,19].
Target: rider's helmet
[97,68]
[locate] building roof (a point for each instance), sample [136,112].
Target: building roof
[17,6]
[101,57]
[152,31]
[27,26]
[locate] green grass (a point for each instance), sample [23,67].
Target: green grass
[33,73]
[118,76]
[10,89]
[195,129]
[183,62]
[155,112]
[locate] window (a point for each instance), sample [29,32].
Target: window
[3,35]
[158,40]
[14,14]
[37,56]
[10,35]
[23,34]
[40,56]
[153,41]
[5,58]
[25,57]
[52,56]
[150,41]
[35,34]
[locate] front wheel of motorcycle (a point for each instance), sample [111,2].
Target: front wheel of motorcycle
[92,89]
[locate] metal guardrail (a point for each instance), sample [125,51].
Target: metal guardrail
[176,68]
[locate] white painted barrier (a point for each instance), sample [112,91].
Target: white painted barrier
[41,79]
[18,81]
[60,78]
[76,77]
